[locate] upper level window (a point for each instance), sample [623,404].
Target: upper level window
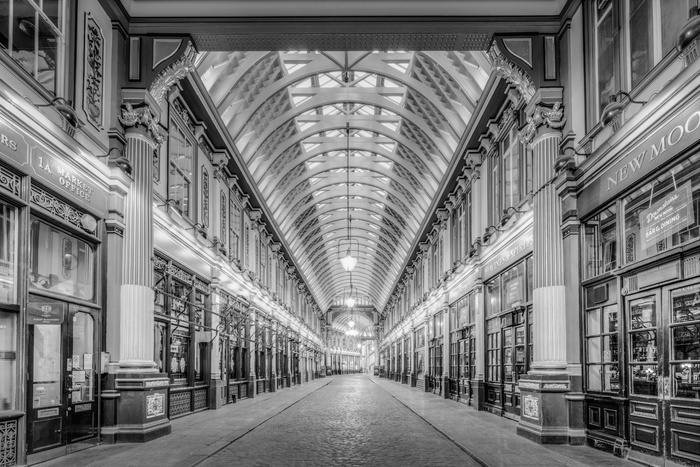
[181,160]
[631,37]
[31,31]
[600,243]
[511,172]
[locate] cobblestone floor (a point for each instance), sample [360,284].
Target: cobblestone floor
[349,422]
[341,421]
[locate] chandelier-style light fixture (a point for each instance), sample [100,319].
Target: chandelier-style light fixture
[348,245]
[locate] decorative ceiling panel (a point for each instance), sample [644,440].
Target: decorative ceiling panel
[328,135]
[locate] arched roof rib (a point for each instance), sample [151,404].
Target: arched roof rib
[445,146]
[334,182]
[375,64]
[288,113]
[332,198]
[315,133]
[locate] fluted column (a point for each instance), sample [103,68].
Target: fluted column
[549,328]
[251,354]
[136,292]
[446,351]
[273,361]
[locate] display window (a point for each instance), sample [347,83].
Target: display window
[60,262]
[602,351]
[685,342]
[664,212]
[181,311]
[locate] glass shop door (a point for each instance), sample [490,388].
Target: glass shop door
[62,406]
[664,372]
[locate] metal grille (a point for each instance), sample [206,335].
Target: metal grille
[10,181]
[200,399]
[179,403]
[8,443]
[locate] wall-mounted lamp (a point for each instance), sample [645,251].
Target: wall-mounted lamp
[65,110]
[490,230]
[613,109]
[508,213]
[121,161]
[169,202]
[200,228]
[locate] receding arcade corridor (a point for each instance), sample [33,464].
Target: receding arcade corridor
[344,420]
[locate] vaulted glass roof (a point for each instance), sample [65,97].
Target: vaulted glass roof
[321,132]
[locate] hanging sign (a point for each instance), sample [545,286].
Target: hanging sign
[45,312]
[667,216]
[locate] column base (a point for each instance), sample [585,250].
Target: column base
[478,394]
[135,405]
[217,393]
[445,387]
[545,416]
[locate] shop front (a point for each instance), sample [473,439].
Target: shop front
[508,313]
[182,315]
[463,349]
[641,288]
[52,213]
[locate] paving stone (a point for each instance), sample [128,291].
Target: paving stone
[349,420]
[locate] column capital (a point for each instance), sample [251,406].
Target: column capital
[144,114]
[543,111]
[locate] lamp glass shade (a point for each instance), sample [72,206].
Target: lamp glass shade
[348,262]
[351,324]
[350,301]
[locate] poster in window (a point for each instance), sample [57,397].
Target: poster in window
[667,216]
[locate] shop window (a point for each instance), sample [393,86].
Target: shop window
[513,286]
[31,32]
[82,367]
[60,262]
[602,351]
[8,254]
[493,350]
[493,297]
[663,213]
[8,358]
[181,152]
[600,243]
[685,342]
[642,329]
[638,33]
[438,324]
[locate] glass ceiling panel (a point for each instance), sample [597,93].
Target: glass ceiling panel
[289,115]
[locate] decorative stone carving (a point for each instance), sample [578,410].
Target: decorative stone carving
[223,222]
[553,118]
[205,197]
[142,115]
[531,407]
[512,73]
[173,73]
[93,71]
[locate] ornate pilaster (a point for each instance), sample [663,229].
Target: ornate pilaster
[446,350]
[143,135]
[544,415]
[480,336]
[273,360]
[139,396]
[217,389]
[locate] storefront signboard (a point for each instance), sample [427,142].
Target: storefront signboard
[45,312]
[12,143]
[658,147]
[667,216]
[66,179]
[509,255]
